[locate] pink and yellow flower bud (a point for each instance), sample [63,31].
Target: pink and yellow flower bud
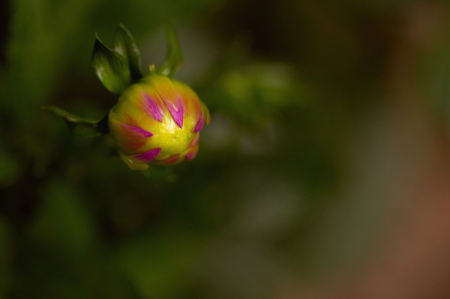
[157,120]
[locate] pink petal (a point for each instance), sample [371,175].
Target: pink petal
[133,146]
[184,101]
[200,124]
[176,109]
[191,156]
[197,109]
[151,108]
[147,157]
[170,160]
[135,132]
[195,141]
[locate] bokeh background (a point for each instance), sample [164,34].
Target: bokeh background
[324,172]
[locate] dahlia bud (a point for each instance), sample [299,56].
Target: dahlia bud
[157,120]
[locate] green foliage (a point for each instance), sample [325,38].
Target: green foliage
[125,45]
[111,68]
[82,126]
[174,57]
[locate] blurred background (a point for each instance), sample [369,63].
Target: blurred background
[324,172]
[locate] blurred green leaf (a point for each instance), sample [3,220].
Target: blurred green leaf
[125,45]
[69,116]
[82,126]
[174,58]
[111,68]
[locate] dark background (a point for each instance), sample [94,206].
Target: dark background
[324,172]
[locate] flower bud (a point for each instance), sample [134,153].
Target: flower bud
[157,120]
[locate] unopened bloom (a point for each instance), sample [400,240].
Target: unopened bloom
[157,120]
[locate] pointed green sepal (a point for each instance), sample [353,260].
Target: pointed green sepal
[125,45]
[82,126]
[111,68]
[174,57]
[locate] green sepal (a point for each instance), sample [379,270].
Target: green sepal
[125,45]
[82,126]
[174,58]
[111,68]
